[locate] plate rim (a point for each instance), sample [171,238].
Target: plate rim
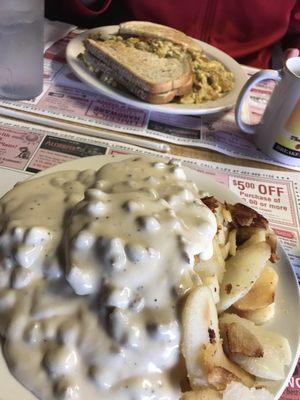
[171,108]
[77,164]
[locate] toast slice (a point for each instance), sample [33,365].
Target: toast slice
[147,71]
[157,31]
[154,98]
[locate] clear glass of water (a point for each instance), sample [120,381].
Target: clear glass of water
[21,48]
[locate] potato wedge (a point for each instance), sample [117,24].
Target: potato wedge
[200,327]
[234,391]
[202,349]
[260,316]
[258,235]
[214,266]
[237,339]
[220,371]
[237,391]
[276,350]
[232,242]
[212,283]
[225,250]
[242,271]
[262,293]
[222,236]
[202,394]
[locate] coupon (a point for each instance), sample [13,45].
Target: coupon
[17,146]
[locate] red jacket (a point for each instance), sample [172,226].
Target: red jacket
[245,29]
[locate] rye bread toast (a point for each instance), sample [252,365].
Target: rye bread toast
[157,31]
[153,98]
[146,71]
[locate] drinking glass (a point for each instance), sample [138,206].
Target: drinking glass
[21,48]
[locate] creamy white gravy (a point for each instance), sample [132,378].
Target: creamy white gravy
[93,266]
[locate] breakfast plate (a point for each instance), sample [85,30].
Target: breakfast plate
[287,296]
[75,47]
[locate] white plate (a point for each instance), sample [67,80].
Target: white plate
[286,319]
[75,47]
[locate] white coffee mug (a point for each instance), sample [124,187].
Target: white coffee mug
[278,133]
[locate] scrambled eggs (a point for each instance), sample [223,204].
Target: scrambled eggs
[211,79]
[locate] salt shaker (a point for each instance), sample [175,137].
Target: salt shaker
[21,48]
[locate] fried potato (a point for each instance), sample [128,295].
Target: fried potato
[220,377]
[225,250]
[242,271]
[248,235]
[219,369]
[226,214]
[262,293]
[232,242]
[200,327]
[260,316]
[214,266]
[237,391]
[271,239]
[222,235]
[234,391]
[202,394]
[212,283]
[276,349]
[229,248]
[258,305]
[244,216]
[258,235]
[237,339]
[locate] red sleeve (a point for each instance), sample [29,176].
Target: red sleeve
[292,38]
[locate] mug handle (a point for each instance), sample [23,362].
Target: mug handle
[258,77]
